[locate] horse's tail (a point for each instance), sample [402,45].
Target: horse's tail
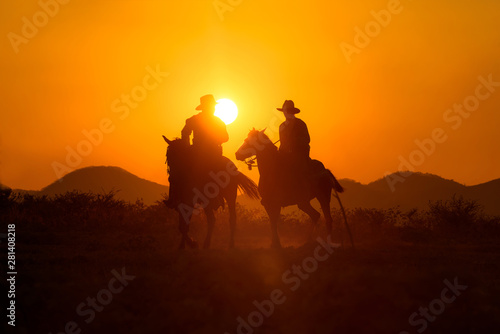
[334,183]
[247,186]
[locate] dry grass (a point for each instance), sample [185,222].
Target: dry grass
[67,247]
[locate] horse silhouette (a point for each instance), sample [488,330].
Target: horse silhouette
[271,184]
[207,191]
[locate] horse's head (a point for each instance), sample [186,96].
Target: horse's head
[256,142]
[177,153]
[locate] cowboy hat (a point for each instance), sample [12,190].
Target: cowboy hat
[289,107]
[206,101]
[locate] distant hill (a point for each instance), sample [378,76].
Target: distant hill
[4,191]
[103,179]
[4,187]
[416,191]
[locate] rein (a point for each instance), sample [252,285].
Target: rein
[251,161]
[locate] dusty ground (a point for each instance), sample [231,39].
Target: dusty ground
[373,289]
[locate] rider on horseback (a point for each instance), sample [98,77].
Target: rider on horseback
[294,152]
[209,132]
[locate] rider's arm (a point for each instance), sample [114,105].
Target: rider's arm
[219,131]
[302,137]
[285,145]
[186,131]
[224,135]
[305,138]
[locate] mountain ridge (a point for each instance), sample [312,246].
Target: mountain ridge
[105,179]
[412,191]
[417,189]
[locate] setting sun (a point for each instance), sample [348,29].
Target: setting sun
[226,110]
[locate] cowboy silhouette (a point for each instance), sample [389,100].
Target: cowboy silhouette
[294,150]
[209,131]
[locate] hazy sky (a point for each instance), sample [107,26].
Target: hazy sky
[368,90]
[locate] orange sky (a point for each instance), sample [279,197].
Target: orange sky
[363,113]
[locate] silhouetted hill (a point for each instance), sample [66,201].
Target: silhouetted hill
[103,179]
[489,195]
[416,191]
[4,191]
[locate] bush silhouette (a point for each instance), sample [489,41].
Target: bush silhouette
[456,214]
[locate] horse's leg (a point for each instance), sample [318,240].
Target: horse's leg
[231,205]
[312,213]
[273,211]
[209,212]
[324,199]
[183,230]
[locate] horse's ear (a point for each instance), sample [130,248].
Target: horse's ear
[262,131]
[168,141]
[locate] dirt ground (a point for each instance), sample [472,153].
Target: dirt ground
[133,279]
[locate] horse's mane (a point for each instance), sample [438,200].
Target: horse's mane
[176,142]
[263,138]
[177,150]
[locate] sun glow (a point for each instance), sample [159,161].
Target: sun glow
[226,110]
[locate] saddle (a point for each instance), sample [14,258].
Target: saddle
[295,185]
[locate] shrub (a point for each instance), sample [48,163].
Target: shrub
[456,215]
